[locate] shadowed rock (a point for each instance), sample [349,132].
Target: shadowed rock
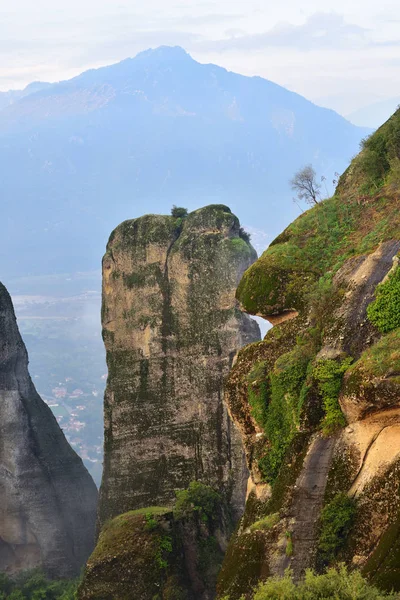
[47,497]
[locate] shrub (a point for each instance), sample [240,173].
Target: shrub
[199,498]
[335,523]
[336,584]
[384,312]
[282,413]
[265,523]
[245,235]
[289,544]
[178,212]
[257,392]
[329,374]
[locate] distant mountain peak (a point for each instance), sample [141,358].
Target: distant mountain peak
[162,53]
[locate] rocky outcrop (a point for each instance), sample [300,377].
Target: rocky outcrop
[171,328]
[47,498]
[157,553]
[317,401]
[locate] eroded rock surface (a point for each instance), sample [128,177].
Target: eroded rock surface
[47,497]
[172,327]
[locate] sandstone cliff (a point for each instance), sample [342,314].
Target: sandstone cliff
[171,327]
[318,400]
[47,498]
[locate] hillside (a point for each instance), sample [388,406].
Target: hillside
[317,401]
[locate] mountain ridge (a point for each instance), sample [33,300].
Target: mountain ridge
[157,130]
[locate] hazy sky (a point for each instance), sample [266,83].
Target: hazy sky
[344,53]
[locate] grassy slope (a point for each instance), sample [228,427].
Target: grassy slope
[364,212]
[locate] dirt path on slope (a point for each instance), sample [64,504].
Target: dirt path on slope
[308,497]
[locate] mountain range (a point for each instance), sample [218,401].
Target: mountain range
[82,155]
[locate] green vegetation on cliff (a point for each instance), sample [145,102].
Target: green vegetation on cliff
[319,241]
[324,355]
[159,553]
[322,238]
[329,375]
[378,162]
[384,312]
[199,498]
[335,584]
[336,520]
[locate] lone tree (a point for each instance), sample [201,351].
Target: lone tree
[306,185]
[178,212]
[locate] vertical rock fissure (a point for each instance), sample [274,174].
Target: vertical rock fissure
[307,503]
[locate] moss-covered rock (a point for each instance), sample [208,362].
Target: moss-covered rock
[171,327]
[372,383]
[318,284]
[158,553]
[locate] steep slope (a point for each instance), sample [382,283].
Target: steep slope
[149,131]
[317,401]
[171,329]
[47,498]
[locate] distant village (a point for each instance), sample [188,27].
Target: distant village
[75,413]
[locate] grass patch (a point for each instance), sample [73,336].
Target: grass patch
[336,520]
[329,374]
[384,312]
[317,243]
[265,523]
[379,360]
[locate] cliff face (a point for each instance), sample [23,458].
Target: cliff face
[47,498]
[171,328]
[317,401]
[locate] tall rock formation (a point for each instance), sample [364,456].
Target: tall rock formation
[47,498]
[172,327]
[318,400]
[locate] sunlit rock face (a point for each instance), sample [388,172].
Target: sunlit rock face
[172,327]
[47,497]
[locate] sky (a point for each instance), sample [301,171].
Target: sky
[343,54]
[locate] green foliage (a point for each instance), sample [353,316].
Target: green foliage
[198,497]
[289,544]
[379,152]
[335,523]
[283,411]
[384,312]
[258,393]
[377,361]
[163,551]
[316,243]
[265,523]
[178,212]
[329,374]
[244,235]
[335,584]
[151,522]
[33,585]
